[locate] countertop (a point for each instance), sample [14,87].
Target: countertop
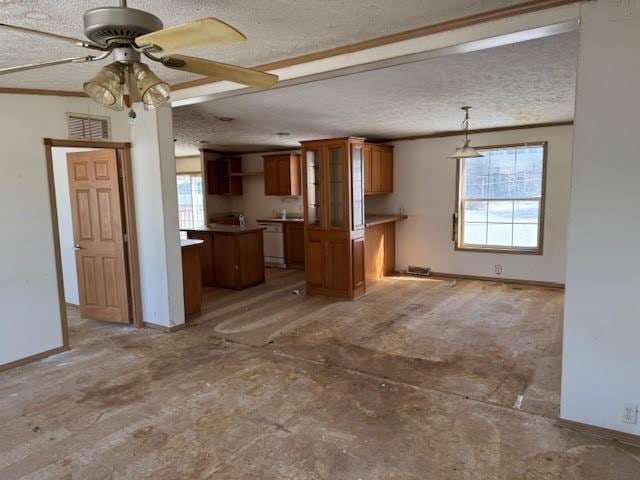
[370,220]
[187,242]
[281,220]
[235,229]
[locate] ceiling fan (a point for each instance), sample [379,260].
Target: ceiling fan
[127,34]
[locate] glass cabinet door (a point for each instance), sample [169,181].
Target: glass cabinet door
[357,186]
[314,187]
[336,186]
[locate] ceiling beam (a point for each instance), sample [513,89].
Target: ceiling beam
[462,22]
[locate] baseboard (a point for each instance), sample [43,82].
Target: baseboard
[72,305]
[32,358]
[622,437]
[516,281]
[162,328]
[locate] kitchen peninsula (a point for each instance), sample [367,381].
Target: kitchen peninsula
[231,256]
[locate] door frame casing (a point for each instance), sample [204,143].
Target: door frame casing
[123,154]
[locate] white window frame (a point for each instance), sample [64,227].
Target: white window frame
[458,217]
[193,174]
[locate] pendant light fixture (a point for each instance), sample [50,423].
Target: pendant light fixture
[466,151]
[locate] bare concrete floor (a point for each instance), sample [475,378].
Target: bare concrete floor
[415,381]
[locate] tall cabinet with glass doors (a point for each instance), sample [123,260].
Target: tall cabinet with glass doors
[333,190]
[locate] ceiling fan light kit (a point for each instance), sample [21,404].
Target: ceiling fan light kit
[128,34]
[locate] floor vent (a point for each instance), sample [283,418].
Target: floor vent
[423,271]
[86,127]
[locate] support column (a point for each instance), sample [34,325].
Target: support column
[155,196]
[601,352]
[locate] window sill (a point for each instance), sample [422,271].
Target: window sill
[512,251]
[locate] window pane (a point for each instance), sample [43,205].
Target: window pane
[502,171]
[501,212]
[475,211]
[529,163]
[499,234]
[476,177]
[475,233]
[527,211]
[525,235]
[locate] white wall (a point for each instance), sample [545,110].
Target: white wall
[253,203]
[188,164]
[601,352]
[30,319]
[425,186]
[156,201]
[65,222]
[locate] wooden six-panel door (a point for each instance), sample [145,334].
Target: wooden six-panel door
[98,235]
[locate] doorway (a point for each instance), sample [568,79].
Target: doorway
[94,233]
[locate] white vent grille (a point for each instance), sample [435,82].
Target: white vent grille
[86,127]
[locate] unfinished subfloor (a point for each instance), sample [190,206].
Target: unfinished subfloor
[417,380]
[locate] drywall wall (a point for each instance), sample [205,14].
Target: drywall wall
[65,223]
[425,187]
[253,203]
[156,201]
[30,320]
[188,164]
[602,304]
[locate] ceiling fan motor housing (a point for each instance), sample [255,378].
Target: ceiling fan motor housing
[118,25]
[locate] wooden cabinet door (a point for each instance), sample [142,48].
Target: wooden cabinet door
[336,264]
[295,175]
[376,170]
[294,243]
[387,171]
[366,152]
[284,175]
[233,165]
[315,262]
[98,235]
[271,183]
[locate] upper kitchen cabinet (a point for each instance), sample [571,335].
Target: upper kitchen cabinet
[333,188]
[282,175]
[378,169]
[224,174]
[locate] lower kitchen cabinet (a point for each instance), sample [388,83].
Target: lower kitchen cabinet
[380,250]
[294,244]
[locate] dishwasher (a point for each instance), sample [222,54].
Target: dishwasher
[273,236]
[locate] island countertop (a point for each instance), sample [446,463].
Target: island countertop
[187,242]
[370,220]
[234,229]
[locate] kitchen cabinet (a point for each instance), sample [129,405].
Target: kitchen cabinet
[333,191]
[378,169]
[380,246]
[231,256]
[191,276]
[282,175]
[294,244]
[224,174]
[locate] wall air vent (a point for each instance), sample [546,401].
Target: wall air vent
[87,127]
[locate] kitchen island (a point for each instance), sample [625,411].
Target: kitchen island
[231,256]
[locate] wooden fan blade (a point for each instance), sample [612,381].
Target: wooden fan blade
[202,32]
[33,66]
[221,71]
[75,41]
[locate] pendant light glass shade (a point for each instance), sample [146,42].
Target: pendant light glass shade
[107,87]
[153,91]
[466,151]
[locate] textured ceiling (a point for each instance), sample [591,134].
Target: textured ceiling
[529,82]
[276,29]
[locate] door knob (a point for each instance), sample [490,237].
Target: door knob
[77,247]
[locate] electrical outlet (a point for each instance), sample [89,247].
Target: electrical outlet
[498,269]
[630,414]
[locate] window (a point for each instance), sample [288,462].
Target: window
[190,200]
[501,199]
[88,127]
